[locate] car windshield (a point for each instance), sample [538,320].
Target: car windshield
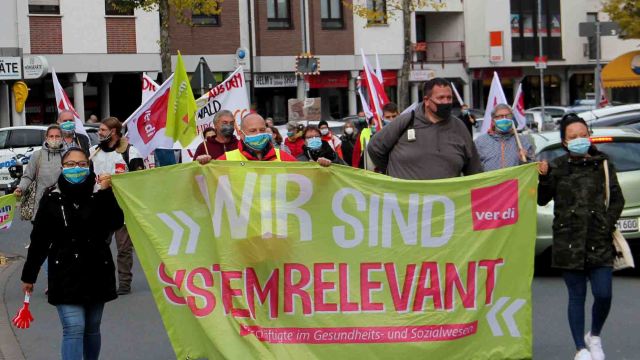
[623,154]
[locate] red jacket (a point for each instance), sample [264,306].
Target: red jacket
[251,155]
[216,149]
[295,146]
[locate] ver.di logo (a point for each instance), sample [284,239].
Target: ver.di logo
[495,206]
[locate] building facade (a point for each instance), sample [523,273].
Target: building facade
[98,53]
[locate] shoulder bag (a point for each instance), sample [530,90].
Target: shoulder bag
[623,256]
[28,199]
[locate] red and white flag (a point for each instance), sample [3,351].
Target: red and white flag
[146,126]
[377,96]
[603,101]
[63,103]
[149,87]
[518,109]
[496,96]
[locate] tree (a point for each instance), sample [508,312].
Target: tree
[627,14]
[181,9]
[377,16]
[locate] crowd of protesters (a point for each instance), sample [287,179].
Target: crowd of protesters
[76,214]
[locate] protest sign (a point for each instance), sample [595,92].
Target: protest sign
[7,209]
[268,260]
[308,109]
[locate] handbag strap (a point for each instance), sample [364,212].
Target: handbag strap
[607,194]
[35,178]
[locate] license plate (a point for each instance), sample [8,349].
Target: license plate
[5,178]
[628,225]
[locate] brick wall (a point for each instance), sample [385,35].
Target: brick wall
[330,42]
[121,35]
[278,42]
[46,34]
[196,40]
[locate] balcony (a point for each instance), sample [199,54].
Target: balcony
[434,52]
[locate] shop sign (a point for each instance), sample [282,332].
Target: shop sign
[35,67]
[275,80]
[10,68]
[421,75]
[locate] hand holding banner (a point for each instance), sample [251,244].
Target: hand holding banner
[261,260]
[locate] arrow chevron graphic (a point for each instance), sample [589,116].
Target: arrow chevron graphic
[178,231]
[507,315]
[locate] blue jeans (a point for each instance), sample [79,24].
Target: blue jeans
[80,330]
[576,281]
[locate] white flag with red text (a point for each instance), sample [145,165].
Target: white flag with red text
[518,109]
[149,87]
[496,96]
[231,94]
[63,103]
[146,126]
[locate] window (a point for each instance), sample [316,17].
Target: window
[622,154]
[525,31]
[205,20]
[44,6]
[26,138]
[4,134]
[378,12]
[278,14]
[592,17]
[331,14]
[114,7]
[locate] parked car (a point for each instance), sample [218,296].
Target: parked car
[18,140]
[623,119]
[537,124]
[622,145]
[556,112]
[608,111]
[92,132]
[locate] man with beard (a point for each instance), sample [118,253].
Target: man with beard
[223,141]
[114,155]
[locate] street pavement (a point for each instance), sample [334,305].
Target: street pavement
[132,327]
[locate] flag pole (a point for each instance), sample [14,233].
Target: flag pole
[518,142]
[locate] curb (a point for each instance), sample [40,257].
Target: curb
[9,346]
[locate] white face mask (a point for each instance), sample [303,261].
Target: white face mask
[348,130]
[324,132]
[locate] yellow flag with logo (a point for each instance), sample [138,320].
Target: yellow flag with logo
[181,110]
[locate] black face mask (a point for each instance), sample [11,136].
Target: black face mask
[443,111]
[226,130]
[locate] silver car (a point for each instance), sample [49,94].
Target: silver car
[622,145]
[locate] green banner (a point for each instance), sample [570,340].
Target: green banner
[265,260]
[7,209]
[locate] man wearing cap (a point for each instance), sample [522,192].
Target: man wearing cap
[294,140]
[255,143]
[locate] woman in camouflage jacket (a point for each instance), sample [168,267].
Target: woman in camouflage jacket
[582,228]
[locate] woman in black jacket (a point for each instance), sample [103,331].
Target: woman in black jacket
[583,228]
[314,149]
[69,229]
[349,139]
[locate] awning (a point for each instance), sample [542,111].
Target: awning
[329,79]
[623,71]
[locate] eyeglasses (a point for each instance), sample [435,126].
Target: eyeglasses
[71,163]
[506,116]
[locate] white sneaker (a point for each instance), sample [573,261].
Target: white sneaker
[594,343]
[583,355]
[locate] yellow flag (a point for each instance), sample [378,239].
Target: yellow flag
[181,110]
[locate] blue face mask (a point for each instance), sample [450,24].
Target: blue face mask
[68,126]
[75,175]
[290,133]
[258,141]
[385,122]
[579,146]
[373,129]
[314,143]
[504,125]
